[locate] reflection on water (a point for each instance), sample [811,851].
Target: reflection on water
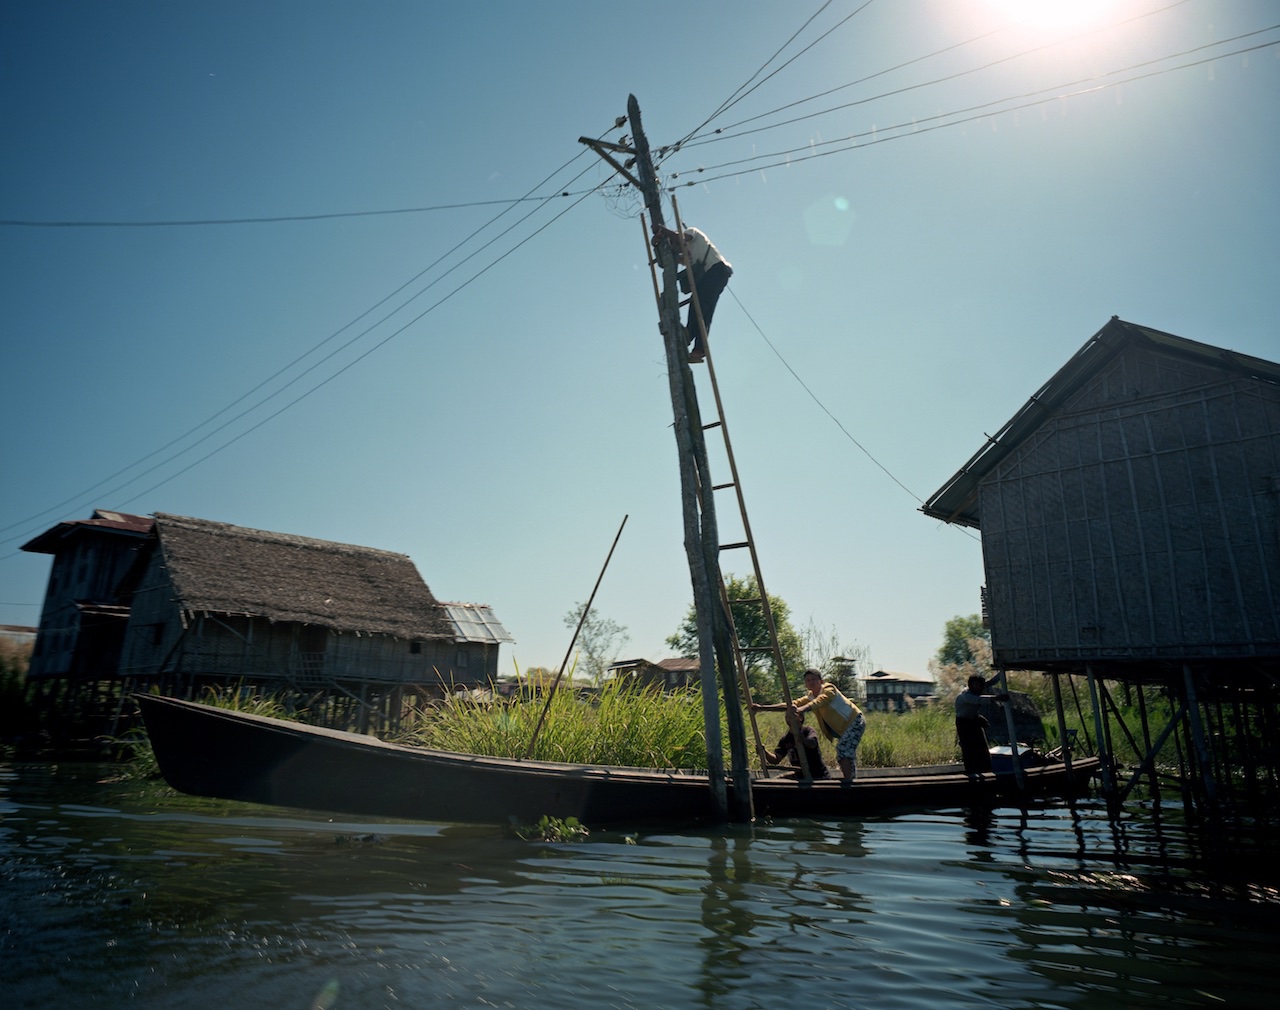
[117,895]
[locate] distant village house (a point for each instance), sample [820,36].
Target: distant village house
[667,674]
[896,692]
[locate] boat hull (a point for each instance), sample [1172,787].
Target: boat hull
[213,752]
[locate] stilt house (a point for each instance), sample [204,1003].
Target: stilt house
[82,621]
[1130,520]
[181,603]
[214,602]
[1129,510]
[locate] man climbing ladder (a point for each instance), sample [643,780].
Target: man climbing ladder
[711,272]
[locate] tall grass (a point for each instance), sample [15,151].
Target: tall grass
[926,736]
[619,725]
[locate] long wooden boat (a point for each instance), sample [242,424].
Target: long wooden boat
[230,755]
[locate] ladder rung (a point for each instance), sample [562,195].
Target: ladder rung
[713,424]
[731,547]
[721,487]
[755,648]
[744,599]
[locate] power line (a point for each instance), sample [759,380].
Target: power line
[543,201]
[281,371]
[325,381]
[874,136]
[368,351]
[279,218]
[721,134]
[823,407]
[747,87]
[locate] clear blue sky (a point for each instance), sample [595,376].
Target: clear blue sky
[928,212]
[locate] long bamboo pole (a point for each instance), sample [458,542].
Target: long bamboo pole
[582,619]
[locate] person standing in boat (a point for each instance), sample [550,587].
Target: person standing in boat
[711,273]
[971,727]
[786,749]
[840,719]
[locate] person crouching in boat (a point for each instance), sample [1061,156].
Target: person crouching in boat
[786,749]
[839,718]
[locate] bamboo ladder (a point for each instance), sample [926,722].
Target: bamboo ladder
[740,651]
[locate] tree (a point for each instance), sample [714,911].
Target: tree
[965,652]
[956,637]
[839,662]
[599,641]
[753,633]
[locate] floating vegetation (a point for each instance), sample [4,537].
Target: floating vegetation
[551,829]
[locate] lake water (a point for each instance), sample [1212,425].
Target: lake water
[123,895]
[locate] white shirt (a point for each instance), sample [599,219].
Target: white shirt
[702,254]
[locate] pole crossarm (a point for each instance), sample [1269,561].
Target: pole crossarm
[603,148]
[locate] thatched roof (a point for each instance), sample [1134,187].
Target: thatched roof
[222,569]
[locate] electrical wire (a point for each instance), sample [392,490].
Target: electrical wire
[940,121]
[281,371]
[276,219]
[823,407]
[368,351]
[975,112]
[747,87]
[722,134]
[323,382]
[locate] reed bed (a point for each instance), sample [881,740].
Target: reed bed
[616,725]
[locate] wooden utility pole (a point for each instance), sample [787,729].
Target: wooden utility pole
[701,539]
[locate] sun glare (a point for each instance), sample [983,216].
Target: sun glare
[1055,15]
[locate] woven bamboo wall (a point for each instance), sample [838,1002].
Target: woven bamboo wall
[1140,521]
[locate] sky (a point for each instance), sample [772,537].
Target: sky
[344,270]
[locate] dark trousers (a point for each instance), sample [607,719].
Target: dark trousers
[710,285]
[974,749]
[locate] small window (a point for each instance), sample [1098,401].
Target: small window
[462,658]
[415,648]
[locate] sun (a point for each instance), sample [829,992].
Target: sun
[1055,15]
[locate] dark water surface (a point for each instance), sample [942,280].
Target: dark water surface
[122,895]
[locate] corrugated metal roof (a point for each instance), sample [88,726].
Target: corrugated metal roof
[50,541]
[957,500]
[475,622]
